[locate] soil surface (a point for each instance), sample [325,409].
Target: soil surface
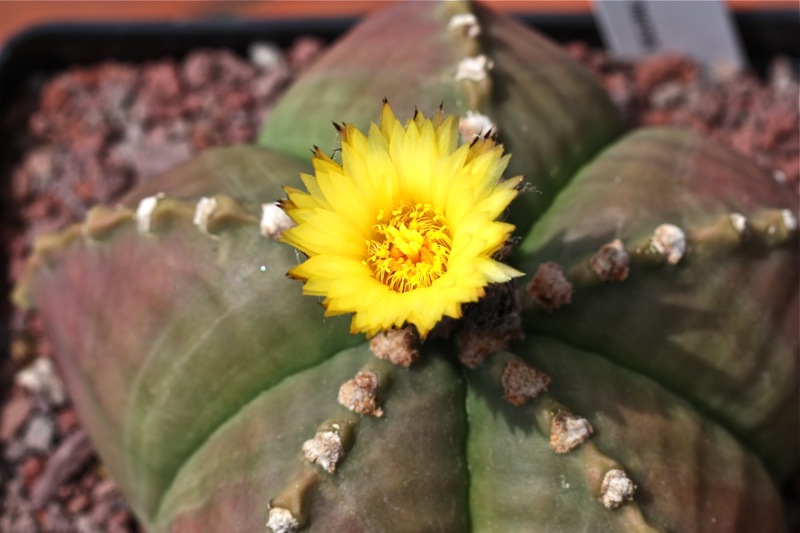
[87,135]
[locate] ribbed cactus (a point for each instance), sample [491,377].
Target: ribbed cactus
[642,376]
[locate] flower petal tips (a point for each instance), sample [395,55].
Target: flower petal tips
[403,230]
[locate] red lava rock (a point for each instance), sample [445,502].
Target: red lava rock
[79,502]
[656,117]
[231,69]
[159,93]
[15,413]
[304,51]
[30,469]
[67,421]
[657,69]
[268,86]
[65,492]
[622,92]
[37,169]
[705,105]
[39,432]
[54,519]
[790,167]
[164,150]
[579,50]
[119,521]
[104,488]
[239,130]
[756,119]
[197,69]
[72,455]
[240,99]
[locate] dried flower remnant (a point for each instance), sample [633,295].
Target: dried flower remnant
[489,325]
[360,394]
[400,346]
[568,431]
[404,230]
[611,262]
[549,288]
[522,382]
[617,488]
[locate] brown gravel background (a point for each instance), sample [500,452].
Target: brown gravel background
[88,134]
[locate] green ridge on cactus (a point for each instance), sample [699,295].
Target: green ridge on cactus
[712,316]
[638,423]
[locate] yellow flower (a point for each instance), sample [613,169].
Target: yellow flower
[403,231]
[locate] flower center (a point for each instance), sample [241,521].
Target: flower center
[410,250]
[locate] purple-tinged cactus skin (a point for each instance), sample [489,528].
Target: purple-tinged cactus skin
[200,371]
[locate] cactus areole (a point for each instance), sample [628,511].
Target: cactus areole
[641,375]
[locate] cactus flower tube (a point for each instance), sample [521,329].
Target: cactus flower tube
[403,231]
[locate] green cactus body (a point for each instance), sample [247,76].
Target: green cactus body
[209,384]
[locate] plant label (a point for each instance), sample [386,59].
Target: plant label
[702,30]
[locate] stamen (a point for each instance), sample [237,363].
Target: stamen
[410,250]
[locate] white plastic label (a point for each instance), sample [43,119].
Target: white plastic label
[702,30]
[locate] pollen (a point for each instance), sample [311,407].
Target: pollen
[410,251]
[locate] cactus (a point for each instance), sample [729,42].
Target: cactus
[642,376]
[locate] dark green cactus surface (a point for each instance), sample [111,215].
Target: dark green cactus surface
[200,370]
